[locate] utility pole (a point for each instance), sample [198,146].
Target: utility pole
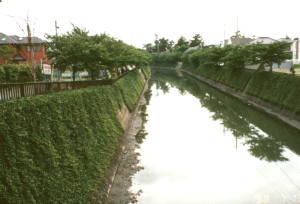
[29,37]
[224,35]
[237,24]
[52,67]
[156,40]
[56,27]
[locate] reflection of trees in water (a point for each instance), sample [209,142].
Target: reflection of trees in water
[237,117]
[266,148]
[162,86]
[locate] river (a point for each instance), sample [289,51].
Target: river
[204,146]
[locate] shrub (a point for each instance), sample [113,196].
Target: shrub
[15,73]
[165,59]
[2,75]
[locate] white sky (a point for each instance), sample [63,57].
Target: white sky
[136,21]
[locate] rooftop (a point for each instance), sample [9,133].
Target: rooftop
[14,39]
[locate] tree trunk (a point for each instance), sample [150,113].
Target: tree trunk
[292,70]
[271,67]
[74,74]
[261,67]
[94,75]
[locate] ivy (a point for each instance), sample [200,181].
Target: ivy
[57,148]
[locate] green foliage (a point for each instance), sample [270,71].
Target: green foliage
[211,56]
[57,148]
[197,41]
[15,73]
[165,59]
[279,89]
[131,91]
[146,71]
[268,54]
[2,75]
[167,54]
[162,45]
[182,44]
[6,52]
[225,65]
[78,51]
[238,56]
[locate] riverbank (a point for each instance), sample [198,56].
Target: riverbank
[128,162]
[125,164]
[57,148]
[278,112]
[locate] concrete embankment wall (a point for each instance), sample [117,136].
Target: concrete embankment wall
[57,148]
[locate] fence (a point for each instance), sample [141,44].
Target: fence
[18,90]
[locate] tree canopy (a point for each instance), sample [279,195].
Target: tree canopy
[181,45]
[78,51]
[238,56]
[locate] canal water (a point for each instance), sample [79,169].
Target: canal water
[204,146]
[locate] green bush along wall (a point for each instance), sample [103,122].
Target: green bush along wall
[282,90]
[57,148]
[17,73]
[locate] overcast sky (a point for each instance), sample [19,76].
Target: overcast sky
[137,21]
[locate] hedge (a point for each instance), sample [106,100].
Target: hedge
[280,89]
[57,148]
[13,73]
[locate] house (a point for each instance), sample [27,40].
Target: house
[36,53]
[263,40]
[238,39]
[294,46]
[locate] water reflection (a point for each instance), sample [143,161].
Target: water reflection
[206,147]
[241,120]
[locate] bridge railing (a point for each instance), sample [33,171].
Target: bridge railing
[18,90]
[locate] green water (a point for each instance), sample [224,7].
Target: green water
[204,146]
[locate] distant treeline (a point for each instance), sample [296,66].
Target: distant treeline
[165,52]
[195,53]
[238,56]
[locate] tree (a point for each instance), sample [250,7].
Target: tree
[197,41]
[268,54]
[149,48]
[70,51]
[78,51]
[163,45]
[6,52]
[235,56]
[182,44]
[210,56]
